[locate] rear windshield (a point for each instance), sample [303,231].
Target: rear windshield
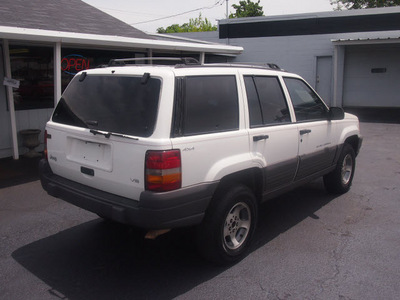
[126,105]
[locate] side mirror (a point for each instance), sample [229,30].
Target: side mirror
[336,113]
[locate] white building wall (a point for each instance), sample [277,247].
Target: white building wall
[298,54]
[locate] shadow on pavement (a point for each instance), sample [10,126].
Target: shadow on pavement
[104,260]
[15,172]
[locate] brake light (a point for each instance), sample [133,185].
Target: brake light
[163,170]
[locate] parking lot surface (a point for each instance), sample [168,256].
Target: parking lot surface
[308,244]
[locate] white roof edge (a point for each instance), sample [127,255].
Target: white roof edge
[180,38]
[40,35]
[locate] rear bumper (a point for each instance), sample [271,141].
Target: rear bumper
[183,207]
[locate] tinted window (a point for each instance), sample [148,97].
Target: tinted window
[210,104]
[256,118]
[267,103]
[110,103]
[306,103]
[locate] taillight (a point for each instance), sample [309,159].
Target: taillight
[45,145]
[163,170]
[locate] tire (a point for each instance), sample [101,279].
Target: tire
[228,226]
[339,180]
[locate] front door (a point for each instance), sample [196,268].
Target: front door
[316,152]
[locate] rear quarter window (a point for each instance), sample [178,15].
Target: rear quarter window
[209,104]
[110,103]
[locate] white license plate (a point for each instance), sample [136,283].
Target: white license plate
[89,153]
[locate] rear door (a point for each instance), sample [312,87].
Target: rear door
[273,136]
[101,129]
[208,125]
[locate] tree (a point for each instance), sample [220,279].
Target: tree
[246,8]
[358,4]
[194,25]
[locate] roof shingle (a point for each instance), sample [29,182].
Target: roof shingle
[64,15]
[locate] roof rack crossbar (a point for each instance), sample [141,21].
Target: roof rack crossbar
[182,60]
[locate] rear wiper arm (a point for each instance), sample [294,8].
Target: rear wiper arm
[108,134]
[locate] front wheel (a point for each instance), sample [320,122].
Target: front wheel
[225,234]
[339,180]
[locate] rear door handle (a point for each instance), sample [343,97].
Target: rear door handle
[305,131]
[260,137]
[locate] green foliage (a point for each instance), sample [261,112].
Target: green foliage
[194,25]
[246,8]
[358,4]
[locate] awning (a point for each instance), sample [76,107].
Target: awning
[72,38]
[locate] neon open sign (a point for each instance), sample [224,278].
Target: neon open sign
[74,63]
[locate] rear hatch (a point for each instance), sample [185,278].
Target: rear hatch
[101,129]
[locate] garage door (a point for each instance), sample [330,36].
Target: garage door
[372,76]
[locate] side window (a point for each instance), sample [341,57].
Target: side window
[210,104]
[306,103]
[267,103]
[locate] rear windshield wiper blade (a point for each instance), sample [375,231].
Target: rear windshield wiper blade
[123,136]
[108,134]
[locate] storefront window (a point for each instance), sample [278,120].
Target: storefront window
[33,67]
[76,60]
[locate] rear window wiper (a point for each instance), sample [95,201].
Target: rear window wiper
[108,134]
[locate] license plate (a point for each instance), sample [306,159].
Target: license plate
[90,153]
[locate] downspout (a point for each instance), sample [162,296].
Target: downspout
[10,98]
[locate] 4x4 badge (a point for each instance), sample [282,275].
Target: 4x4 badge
[189,149]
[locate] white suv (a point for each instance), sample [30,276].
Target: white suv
[161,147]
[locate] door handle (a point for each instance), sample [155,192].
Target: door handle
[305,131]
[257,138]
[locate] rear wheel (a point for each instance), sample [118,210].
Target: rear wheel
[339,180]
[225,234]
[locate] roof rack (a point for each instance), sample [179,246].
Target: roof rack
[181,60]
[254,64]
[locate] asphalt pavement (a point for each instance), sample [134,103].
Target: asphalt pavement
[308,244]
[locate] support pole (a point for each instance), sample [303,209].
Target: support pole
[57,73]
[150,54]
[202,57]
[10,98]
